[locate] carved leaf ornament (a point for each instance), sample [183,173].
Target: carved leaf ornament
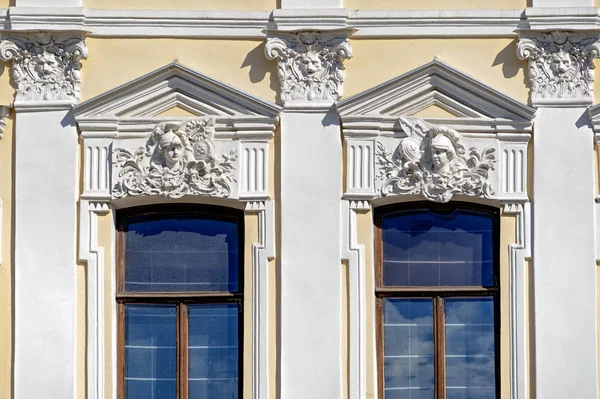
[45,68]
[560,64]
[178,159]
[433,162]
[309,65]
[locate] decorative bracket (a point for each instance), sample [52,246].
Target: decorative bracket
[45,65]
[310,64]
[561,67]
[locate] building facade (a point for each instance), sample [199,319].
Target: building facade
[338,199]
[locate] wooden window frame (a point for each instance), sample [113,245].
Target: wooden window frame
[179,298]
[437,294]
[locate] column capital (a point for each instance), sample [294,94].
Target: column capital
[46,65]
[561,67]
[310,64]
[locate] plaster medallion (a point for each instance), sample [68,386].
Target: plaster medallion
[560,64]
[309,64]
[178,159]
[432,161]
[45,67]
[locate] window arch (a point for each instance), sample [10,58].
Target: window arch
[437,296]
[179,294]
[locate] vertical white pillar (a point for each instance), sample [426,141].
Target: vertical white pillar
[46,72]
[564,293]
[564,255]
[45,259]
[311,188]
[310,67]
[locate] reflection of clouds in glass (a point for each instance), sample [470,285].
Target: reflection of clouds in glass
[470,348]
[424,248]
[408,348]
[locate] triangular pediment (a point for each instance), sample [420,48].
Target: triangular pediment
[435,84]
[175,90]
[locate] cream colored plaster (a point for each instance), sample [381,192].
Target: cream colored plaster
[240,63]
[433,4]
[364,224]
[7,92]
[434,111]
[491,61]
[250,5]
[6,308]
[105,234]
[176,112]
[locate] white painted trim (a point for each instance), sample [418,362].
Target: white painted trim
[354,253]
[490,117]
[250,24]
[519,252]
[262,252]
[93,256]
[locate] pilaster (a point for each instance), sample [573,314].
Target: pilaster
[45,69]
[311,72]
[561,77]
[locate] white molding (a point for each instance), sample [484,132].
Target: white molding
[127,116]
[485,119]
[93,256]
[262,252]
[354,253]
[434,83]
[250,24]
[519,252]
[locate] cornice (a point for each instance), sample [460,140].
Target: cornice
[251,24]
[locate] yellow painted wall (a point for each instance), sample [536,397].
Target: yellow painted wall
[433,4]
[6,335]
[251,5]
[6,90]
[507,237]
[241,63]
[5,3]
[491,61]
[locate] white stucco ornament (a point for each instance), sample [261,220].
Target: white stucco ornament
[560,65]
[310,65]
[45,66]
[178,159]
[432,161]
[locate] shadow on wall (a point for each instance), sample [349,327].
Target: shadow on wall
[256,60]
[511,65]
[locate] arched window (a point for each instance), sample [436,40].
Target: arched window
[179,294]
[437,301]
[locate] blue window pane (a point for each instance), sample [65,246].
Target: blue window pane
[213,351]
[470,348]
[181,254]
[427,248]
[408,348]
[150,351]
